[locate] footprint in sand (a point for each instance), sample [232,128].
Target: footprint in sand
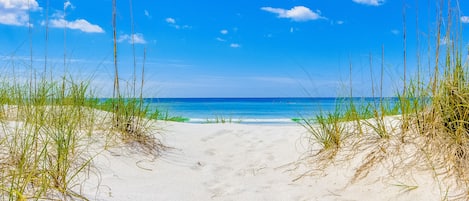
[215,135]
[210,152]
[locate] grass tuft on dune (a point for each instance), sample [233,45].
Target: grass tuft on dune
[433,119]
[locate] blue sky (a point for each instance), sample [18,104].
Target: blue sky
[206,48]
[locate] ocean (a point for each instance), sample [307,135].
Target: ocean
[248,110]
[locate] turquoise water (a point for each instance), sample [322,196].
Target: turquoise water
[248,110]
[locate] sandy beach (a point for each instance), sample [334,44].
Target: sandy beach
[234,100]
[245,162]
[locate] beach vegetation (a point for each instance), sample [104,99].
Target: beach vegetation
[220,119]
[43,134]
[406,187]
[166,116]
[47,129]
[174,119]
[327,130]
[432,111]
[49,124]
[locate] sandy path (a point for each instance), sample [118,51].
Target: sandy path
[235,162]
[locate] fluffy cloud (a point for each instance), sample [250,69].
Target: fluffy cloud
[297,13]
[15,12]
[370,2]
[170,20]
[58,21]
[68,4]
[19,4]
[137,38]
[235,45]
[465,19]
[79,24]
[224,31]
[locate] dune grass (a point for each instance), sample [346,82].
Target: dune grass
[42,152]
[220,119]
[48,124]
[45,134]
[433,109]
[327,130]
[46,129]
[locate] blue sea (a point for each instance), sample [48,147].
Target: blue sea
[248,110]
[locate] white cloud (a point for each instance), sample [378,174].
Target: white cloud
[395,32]
[340,22]
[137,38]
[68,4]
[147,13]
[235,45]
[58,14]
[297,13]
[19,4]
[79,24]
[15,12]
[370,2]
[465,19]
[170,20]
[17,19]
[220,39]
[224,31]
[58,21]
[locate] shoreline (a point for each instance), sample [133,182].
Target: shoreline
[251,161]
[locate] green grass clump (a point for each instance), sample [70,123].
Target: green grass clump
[434,116]
[176,119]
[165,116]
[41,153]
[46,130]
[132,120]
[220,119]
[48,124]
[297,119]
[327,130]
[445,123]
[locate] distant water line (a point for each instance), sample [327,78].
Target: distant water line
[252,110]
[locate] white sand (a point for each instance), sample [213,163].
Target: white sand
[244,162]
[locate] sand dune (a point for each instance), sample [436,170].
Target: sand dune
[244,162]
